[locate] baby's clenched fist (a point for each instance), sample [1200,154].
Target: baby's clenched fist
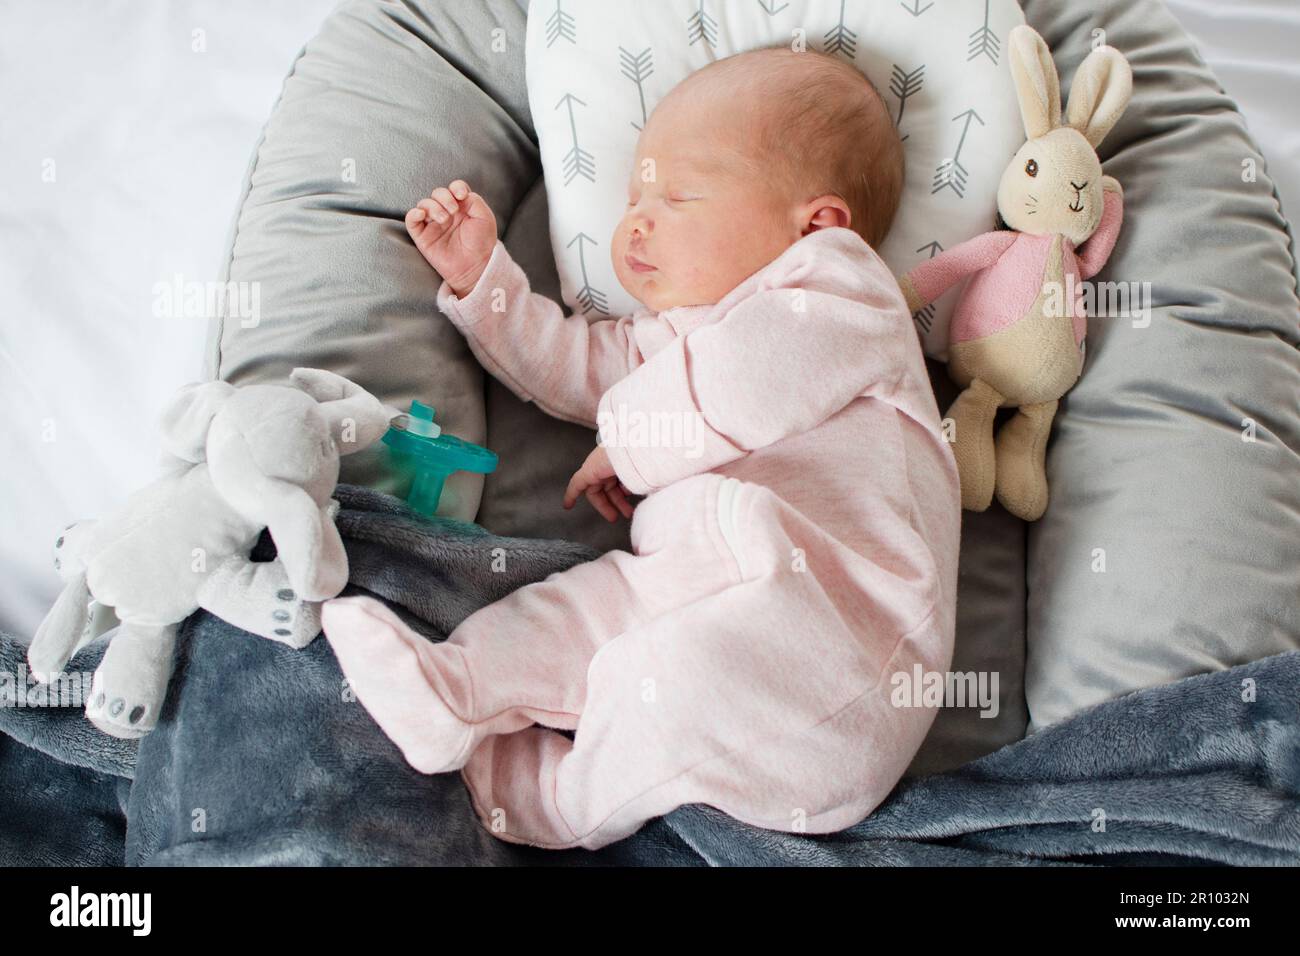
[455,230]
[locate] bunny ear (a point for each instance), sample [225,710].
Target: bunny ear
[1102,87]
[356,418]
[1037,86]
[186,418]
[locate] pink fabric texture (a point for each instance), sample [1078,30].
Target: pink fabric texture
[1007,271]
[796,550]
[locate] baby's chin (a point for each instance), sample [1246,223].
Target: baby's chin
[647,289]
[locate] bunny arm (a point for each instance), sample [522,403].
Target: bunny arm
[936,276]
[1092,255]
[256,596]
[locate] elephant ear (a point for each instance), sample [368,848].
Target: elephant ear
[356,418]
[186,418]
[306,541]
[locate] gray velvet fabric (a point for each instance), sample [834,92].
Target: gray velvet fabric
[1199,530]
[260,758]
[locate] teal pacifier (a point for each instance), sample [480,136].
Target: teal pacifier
[419,449]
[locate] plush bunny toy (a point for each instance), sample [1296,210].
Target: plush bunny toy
[240,460]
[1016,337]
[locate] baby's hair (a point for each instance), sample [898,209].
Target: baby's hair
[829,127]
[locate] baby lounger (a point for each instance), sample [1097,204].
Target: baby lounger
[1170,546]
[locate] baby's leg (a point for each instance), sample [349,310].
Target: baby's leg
[524,659]
[764,699]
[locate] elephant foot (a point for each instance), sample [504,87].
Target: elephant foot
[257,597]
[1021,455]
[296,623]
[128,690]
[972,416]
[61,632]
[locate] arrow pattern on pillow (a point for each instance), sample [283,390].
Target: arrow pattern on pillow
[984,42]
[769,6]
[915,9]
[638,68]
[840,39]
[560,24]
[904,86]
[924,316]
[577,161]
[950,173]
[589,298]
[701,26]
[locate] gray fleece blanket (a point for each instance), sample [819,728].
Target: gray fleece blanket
[260,758]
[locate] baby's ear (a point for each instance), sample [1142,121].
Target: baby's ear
[826,212]
[1037,86]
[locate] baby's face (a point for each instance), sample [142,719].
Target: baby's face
[699,219]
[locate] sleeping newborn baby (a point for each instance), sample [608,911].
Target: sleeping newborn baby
[797,545]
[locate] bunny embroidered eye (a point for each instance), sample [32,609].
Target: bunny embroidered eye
[1031,168]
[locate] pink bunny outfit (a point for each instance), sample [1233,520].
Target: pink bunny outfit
[797,548]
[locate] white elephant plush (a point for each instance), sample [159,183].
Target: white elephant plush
[239,460]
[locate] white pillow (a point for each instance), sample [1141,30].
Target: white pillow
[596,69]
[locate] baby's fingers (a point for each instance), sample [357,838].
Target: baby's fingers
[443,197]
[434,211]
[616,494]
[596,495]
[459,188]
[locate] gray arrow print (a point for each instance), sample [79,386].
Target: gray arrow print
[770,7]
[701,26]
[950,173]
[638,68]
[915,9]
[840,39]
[984,42]
[904,86]
[560,25]
[590,299]
[577,161]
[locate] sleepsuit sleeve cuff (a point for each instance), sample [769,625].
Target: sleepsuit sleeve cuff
[501,273]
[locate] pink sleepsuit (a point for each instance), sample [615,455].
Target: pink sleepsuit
[797,549]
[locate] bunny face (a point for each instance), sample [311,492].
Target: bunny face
[1053,186]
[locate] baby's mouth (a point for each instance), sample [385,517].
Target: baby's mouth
[637,265]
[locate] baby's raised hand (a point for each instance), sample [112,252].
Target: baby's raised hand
[455,230]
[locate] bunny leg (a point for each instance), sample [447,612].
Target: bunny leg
[1021,451]
[256,596]
[128,690]
[972,415]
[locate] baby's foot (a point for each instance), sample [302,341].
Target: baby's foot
[455,231]
[389,668]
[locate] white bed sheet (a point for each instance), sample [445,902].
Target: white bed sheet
[150,140]
[1253,46]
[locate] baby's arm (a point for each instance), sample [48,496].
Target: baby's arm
[525,340]
[776,365]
